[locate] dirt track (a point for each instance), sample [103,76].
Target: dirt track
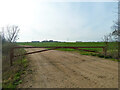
[59,69]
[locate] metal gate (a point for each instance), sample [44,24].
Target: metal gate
[51,48]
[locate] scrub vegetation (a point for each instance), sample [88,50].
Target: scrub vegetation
[11,75]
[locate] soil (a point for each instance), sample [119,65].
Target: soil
[62,69]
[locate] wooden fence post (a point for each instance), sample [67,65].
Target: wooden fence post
[11,56]
[119,49]
[105,50]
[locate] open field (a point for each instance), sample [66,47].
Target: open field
[60,69]
[74,44]
[111,51]
[66,44]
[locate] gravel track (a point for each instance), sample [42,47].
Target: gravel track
[60,69]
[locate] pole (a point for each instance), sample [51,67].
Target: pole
[11,57]
[118,29]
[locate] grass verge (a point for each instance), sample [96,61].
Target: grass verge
[89,53]
[12,76]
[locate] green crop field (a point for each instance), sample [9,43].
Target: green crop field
[111,47]
[54,44]
[66,44]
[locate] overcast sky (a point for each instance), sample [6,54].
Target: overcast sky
[66,20]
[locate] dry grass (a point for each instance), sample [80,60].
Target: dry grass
[11,74]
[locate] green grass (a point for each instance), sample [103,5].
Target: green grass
[15,76]
[112,45]
[66,44]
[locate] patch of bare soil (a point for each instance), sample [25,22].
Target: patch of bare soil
[60,69]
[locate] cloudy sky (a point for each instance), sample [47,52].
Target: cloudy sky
[63,20]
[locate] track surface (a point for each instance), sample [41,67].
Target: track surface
[60,69]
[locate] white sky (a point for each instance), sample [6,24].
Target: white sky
[59,19]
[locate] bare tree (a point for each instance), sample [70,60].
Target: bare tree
[12,33]
[115,34]
[9,35]
[3,36]
[106,40]
[116,30]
